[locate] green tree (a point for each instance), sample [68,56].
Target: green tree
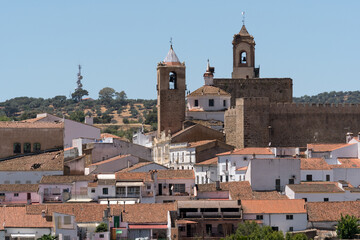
[78,116]
[47,237]
[347,227]
[4,118]
[78,94]
[106,95]
[102,227]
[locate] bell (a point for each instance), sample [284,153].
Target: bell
[244,59]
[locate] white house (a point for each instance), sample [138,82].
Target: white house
[273,173]
[284,215]
[316,169]
[19,194]
[233,165]
[144,139]
[208,102]
[112,165]
[206,171]
[348,170]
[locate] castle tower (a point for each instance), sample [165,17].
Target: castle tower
[244,55]
[171,88]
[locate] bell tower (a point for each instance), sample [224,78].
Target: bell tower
[244,55]
[171,87]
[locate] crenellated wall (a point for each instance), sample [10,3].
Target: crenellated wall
[258,122]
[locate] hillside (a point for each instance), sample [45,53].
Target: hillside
[330,97]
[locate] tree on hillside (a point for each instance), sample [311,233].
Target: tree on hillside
[78,94]
[78,116]
[106,95]
[347,227]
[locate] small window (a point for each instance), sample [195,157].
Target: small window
[148,187]
[17,148]
[245,159]
[326,199]
[289,217]
[211,102]
[309,177]
[101,236]
[275,228]
[327,177]
[196,103]
[27,147]
[181,228]
[291,229]
[93,190]
[16,194]
[28,182]
[17,182]
[7,182]
[226,178]
[224,103]
[105,191]
[172,80]
[67,237]
[37,147]
[67,220]
[259,217]
[305,199]
[291,181]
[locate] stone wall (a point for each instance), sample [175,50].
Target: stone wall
[276,89]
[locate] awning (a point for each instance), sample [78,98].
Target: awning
[164,226]
[22,235]
[130,184]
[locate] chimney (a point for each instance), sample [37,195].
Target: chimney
[89,120]
[349,136]
[218,186]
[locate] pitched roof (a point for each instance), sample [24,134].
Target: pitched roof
[237,190]
[51,161]
[249,151]
[171,58]
[110,160]
[58,179]
[242,168]
[314,164]
[331,211]
[273,206]
[316,187]
[211,161]
[133,176]
[138,165]
[347,163]
[268,195]
[19,187]
[13,124]
[243,31]
[200,143]
[208,90]
[175,174]
[326,147]
[102,182]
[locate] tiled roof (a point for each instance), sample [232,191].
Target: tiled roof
[136,166]
[57,179]
[314,164]
[326,147]
[176,174]
[200,143]
[110,160]
[268,195]
[347,163]
[331,211]
[102,182]
[242,168]
[316,187]
[17,217]
[211,161]
[51,161]
[171,58]
[237,190]
[19,187]
[249,151]
[273,206]
[208,90]
[133,176]
[14,124]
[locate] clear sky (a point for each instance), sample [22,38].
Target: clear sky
[119,43]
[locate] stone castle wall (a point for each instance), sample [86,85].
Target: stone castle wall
[276,89]
[258,122]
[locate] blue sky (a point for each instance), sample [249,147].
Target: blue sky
[119,43]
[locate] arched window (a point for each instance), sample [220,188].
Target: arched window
[37,147]
[17,148]
[172,80]
[27,147]
[243,58]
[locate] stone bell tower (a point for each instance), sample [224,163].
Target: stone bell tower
[244,55]
[171,87]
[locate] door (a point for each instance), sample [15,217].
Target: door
[160,189]
[28,196]
[277,185]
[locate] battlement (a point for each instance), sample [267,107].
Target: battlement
[251,80]
[311,108]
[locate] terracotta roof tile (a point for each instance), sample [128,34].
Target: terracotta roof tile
[249,151]
[326,147]
[314,164]
[19,187]
[133,176]
[110,160]
[273,206]
[136,166]
[331,211]
[200,143]
[51,161]
[237,190]
[316,187]
[268,195]
[14,124]
[211,161]
[347,163]
[58,179]
[209,90]
[176,174]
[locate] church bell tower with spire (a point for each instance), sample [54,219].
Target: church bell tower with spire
[171,87]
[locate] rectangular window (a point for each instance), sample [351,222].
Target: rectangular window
[148,187]
[277,184]
[211,102]
[309,177]
[28,182]
[224,103]
[275,228]
[181,228]
[121,191]
[291,229]
[196,103]
[67,237]
[289,217]
[67,220]
[27,147]
[101,236]
[17,182]
[179,188]
[327,177]
[16,194]
[326,199]
[93,190]
[291,181]
[105,191]
[135,191]
[259,217]
[6,182]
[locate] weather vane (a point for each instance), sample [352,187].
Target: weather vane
[171,42]
[243,17]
